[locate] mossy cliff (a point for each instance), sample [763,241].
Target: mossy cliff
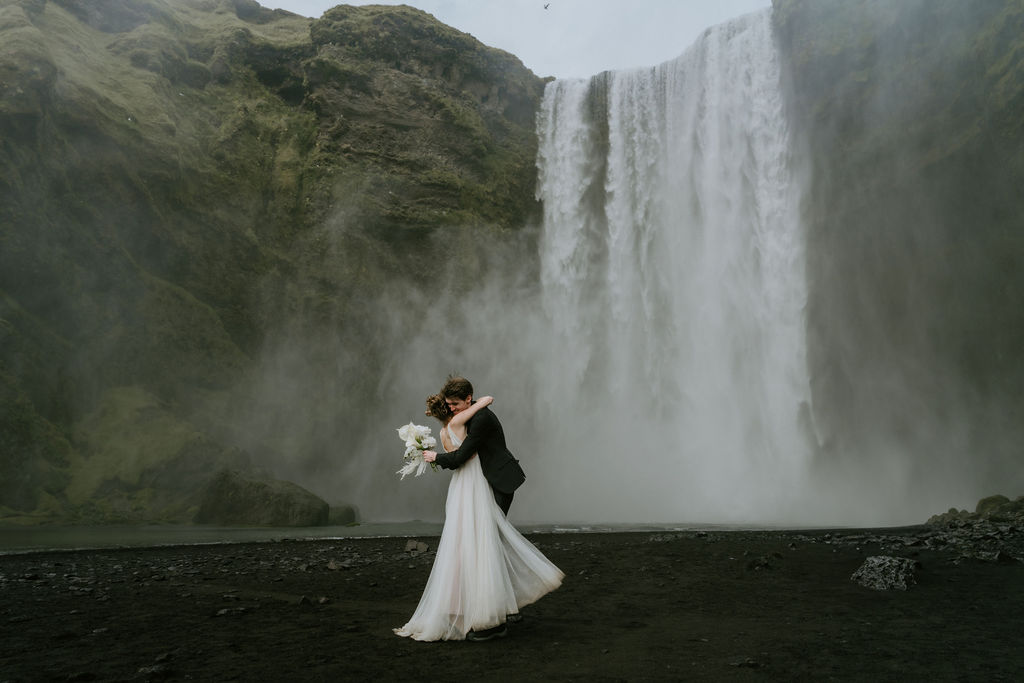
[912,116]
[176,178]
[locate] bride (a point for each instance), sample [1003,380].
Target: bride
[484,570]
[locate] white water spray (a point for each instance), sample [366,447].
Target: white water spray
[674,378]
[657,372]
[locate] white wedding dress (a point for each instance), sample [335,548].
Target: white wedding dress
[484,568]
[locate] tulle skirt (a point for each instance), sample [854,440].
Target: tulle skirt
[484,568]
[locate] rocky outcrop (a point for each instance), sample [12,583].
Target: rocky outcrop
[997,508]
[993,534]
[136,460]
[343,515]
[881,573]
[232,498]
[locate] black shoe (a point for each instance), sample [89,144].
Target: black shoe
[499,631]
[513,618]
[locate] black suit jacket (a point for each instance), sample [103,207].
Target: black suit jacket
[485,437]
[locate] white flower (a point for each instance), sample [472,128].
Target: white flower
[408,432]
[417,439]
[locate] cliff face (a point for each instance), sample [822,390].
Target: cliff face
[179,180]
[911,116]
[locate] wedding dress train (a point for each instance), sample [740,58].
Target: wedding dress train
[484,568]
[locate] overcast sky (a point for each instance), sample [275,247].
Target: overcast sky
[571,38]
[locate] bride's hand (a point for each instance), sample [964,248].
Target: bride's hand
[485,400]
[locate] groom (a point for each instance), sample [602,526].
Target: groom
[484,437]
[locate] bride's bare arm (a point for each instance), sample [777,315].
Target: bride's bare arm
[462,418]
[458,423]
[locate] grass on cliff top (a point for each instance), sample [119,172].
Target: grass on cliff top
[125,75]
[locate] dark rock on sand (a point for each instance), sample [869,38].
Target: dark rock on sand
[343,514]
[233,498]
[994,533]
[881,572]
[414,547]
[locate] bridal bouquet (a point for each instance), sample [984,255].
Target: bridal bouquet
[417,439]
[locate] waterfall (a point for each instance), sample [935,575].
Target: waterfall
[673,382]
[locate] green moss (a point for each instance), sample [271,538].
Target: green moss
[35,452]
[136,460]
[129,433]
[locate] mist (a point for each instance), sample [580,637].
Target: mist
[910,311]
[674,343]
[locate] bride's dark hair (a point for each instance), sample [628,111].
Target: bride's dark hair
[436,407]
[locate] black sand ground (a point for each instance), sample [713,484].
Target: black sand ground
[736,605]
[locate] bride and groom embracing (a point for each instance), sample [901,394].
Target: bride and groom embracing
[484,570]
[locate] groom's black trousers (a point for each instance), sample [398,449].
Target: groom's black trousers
[504,500]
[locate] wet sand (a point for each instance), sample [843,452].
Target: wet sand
[718,605]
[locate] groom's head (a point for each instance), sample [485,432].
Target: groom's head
[458,393]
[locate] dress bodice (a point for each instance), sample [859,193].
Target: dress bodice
[456,441]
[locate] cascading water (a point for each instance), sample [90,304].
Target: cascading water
[674,380]
[658,372]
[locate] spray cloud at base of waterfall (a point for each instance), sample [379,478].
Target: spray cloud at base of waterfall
[338,377]
[655,374]
[647,348]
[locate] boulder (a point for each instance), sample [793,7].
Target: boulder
[990,504]
[882,572]
[414,547]
[236,498]
[343,514]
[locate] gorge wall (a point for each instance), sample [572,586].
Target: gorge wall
[911,117]
[186,188]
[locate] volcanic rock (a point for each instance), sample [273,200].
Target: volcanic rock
[233,498]
[881,572]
